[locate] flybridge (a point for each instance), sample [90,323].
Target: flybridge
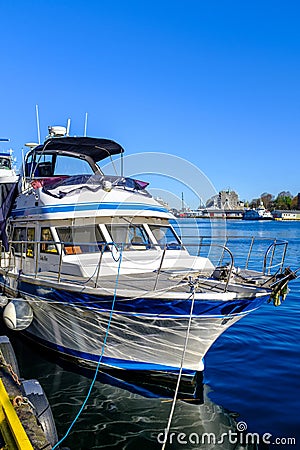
[45,160]
[95,148]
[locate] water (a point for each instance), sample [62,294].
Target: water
[251,375]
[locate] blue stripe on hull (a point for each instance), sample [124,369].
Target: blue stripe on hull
[86,207]
[145,306]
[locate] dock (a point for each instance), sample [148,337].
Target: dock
[20,426]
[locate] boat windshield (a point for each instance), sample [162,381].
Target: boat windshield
[51,165]
[132,235]
[165,237]
[5,163]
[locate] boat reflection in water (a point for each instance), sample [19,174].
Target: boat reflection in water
[130,410]
[132,413]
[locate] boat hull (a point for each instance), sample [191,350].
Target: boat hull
[139,334]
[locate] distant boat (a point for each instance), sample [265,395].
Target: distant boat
[260,213]
[8,188]
[7,171]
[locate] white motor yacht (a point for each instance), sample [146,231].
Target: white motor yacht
[95,270]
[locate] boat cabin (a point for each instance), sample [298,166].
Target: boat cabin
[71,218]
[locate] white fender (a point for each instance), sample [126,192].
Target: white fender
[17,315]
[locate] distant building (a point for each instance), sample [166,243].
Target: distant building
[228,200]
[298,202]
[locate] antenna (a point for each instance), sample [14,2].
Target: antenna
[23,162]
[182,202]
[85,124]
[38,122]
[68,127]
[122,165]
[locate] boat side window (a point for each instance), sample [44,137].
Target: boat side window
[47,245]
[19,236]
[165,237]
[88,239]
[28,166]
[30,245]
[5,163]
[39,166]
[133,236]
[51,165]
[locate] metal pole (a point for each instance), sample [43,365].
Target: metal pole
[249,252]
[122,165]
[272,256]
[9,257]
[22,251]
[283,256]
[99,264]
[60,261]
[160,266]
[36,247]
[223,251]
[38,123]
[85,124]
[230,270]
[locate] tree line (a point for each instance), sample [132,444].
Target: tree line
[284,200]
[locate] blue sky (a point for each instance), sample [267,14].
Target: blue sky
[214,82]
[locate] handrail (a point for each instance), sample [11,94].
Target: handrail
[224,249]
[36,250]
[101,247]
[259,240]
[283,257]
[223,252]
[11,256]
[272,256]
[224,236]
[36,243]
[2,251]
[60,261]
[160,266]
[99,265]
[272,247]
[249,252]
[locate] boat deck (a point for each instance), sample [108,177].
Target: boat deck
[144,283]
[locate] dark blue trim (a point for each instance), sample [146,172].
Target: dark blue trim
[113,362]
[157,307]
[86,207]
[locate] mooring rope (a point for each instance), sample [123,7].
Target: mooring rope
[99,360]
[167,430]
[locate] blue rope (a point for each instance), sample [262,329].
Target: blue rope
[99,361]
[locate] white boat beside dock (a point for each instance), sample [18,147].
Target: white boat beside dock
[94,269]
